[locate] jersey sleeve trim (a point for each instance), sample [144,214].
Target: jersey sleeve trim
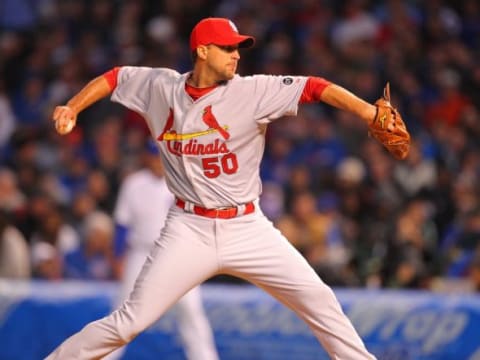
[112,77]
[313,89]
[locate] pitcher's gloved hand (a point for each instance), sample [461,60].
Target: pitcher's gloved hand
[388,127]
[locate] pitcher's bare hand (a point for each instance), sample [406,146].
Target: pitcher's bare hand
[65,119]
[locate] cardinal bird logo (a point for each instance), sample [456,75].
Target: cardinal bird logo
[208,118]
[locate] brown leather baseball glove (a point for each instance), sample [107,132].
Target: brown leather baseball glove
[388,127]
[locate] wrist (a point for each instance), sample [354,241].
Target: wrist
[71,105]
[370,113]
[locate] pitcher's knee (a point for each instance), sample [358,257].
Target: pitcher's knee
[320,292]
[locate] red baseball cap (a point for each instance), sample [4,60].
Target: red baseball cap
[218,31]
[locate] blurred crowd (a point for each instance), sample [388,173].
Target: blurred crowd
[360,217]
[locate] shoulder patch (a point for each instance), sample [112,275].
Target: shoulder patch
[287,80]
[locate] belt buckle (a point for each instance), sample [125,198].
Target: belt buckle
[226,212]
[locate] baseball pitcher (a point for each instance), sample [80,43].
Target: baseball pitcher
[210,127]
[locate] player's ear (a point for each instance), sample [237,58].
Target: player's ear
[202,51]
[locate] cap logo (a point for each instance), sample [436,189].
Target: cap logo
[232,25]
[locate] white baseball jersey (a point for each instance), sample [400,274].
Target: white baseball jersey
[205,142]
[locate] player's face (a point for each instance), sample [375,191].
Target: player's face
[223,60]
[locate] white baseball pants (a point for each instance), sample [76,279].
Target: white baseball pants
[193,248]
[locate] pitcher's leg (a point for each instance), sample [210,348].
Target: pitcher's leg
[263,256]
[194,327]
[133,264]
[179,261]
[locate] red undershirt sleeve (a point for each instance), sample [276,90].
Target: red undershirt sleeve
[313,90]
[112,77]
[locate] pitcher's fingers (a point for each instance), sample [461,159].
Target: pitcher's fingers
[62,111]
[59,113]
[56,113]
